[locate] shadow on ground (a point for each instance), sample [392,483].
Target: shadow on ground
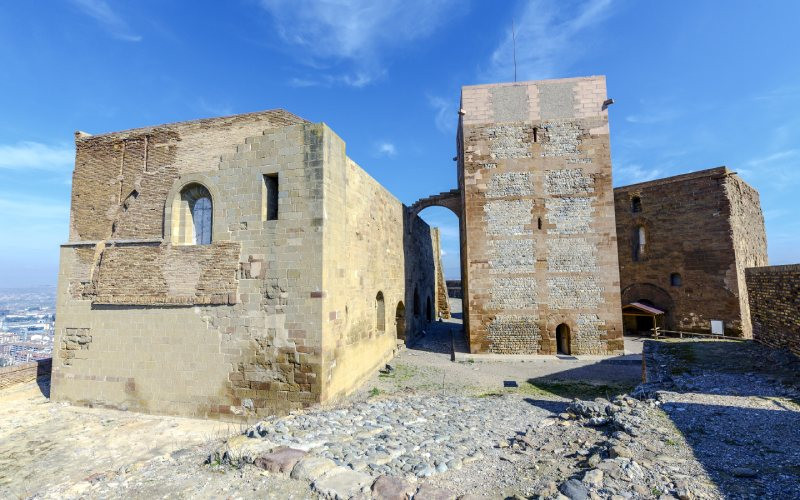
[736,404]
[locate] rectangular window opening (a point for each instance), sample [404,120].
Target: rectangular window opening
[717,327]
[269,198]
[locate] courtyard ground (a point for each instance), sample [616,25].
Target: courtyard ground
[716,420]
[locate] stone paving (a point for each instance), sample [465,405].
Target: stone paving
[416,435]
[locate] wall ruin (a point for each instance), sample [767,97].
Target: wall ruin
[774,295]
[705,227]
[248,325]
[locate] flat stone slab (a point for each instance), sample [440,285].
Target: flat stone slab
[281,460]
[428,492]
[341,483]
[245,449]
[392,488]
[312,468]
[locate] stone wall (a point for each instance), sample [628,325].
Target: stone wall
[370,247]
[705,227]
[234,329]
[774,296]
[24,372]
[538,235]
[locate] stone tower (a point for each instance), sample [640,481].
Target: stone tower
[539,247]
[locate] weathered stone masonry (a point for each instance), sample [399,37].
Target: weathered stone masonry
[538,235]
[274,314]
[702,230]
[774,294]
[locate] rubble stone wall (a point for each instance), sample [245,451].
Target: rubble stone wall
[242,327]
[774,295]
[538,235]
[705,227]
[24,372]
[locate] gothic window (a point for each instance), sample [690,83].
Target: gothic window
[192,222]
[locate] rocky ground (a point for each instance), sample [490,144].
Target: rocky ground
[717,420]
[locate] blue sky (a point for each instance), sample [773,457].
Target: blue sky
[696,85]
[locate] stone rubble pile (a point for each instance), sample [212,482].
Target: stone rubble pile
[593,449]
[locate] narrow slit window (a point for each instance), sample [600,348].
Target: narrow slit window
[269,198]
[535,134]
[639,243]
[539,223]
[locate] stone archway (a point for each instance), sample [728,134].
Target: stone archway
[400,320]
[652,295]
[448,199]
[563,340]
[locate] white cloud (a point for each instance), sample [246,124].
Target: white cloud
[545,39]
[352,35]
[445,114]
[214,109]
[773,158]
[386,149]
[111,22]
[632,174]
[34,155]
[778,169]
[651,117]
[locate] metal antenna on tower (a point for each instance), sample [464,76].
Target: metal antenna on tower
[514,43]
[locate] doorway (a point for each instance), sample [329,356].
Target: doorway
[400,321]
[562,339]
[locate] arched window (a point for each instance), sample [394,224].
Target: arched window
[416,302]
[675,279]
[636,204]
[192,221]
[639,242]
[380,313]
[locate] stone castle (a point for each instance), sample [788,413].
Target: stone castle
[242,266]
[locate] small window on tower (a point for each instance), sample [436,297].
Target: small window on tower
[675,279]
[636,204]
[269,198]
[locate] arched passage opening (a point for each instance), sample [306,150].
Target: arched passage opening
[400,320]
[563,340]
[449,294]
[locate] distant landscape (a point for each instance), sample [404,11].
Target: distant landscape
[27,316]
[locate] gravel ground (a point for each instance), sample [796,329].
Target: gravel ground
[715,420]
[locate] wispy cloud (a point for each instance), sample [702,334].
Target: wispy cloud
[545,39]
[214,109]
[633,173]
[108,19]
[445,113]
[386,149]
[345,40]
[773,158]
[779,169]
[652,117]
[34,155]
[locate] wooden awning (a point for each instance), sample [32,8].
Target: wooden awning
[639,309]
